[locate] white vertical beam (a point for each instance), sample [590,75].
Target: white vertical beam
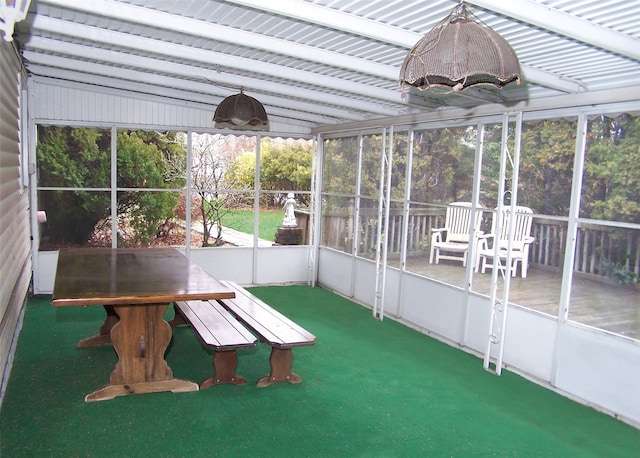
[378,304]
[386,33]
[475,199]
[572,232]
[406,208]
[356,215]
[189,187]
[256,210]
[114,187]
[315,218]
[500,305]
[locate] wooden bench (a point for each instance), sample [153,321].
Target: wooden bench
[219,330]
[271,327]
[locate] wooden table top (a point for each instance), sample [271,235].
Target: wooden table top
[105,276]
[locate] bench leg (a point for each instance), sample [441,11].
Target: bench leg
[280,360]
[224,370]
[178,319]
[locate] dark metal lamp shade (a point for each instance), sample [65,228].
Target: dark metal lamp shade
[459,53]
[241,112]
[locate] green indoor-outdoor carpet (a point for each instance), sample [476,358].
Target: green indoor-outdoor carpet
[370,389]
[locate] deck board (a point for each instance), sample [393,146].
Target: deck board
[612,307]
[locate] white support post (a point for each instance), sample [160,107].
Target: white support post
[572,233]
[475,208]
[356,215]
[256,210]
[406,208]
[114,187]
[189,190]
[315,216]
[383,206]
[500,303]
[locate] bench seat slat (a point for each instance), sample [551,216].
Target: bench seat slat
[275,328]
[215,325]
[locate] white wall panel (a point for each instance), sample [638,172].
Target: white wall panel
[62,102]
[392,292]
[44,276]
[530,341]
[434,307]
[476,328]
[600,368]
[334,271]
[227,263]
[282,264]
[365,281]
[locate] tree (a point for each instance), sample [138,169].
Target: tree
[546,166]
[212,156]
[340,163]
[81,158]
[284,166]
[143,162]
[442,165]
[611,187]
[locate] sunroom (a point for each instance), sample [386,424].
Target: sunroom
[383,166]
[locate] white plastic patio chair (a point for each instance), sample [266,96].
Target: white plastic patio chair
[454,237]
[520,244]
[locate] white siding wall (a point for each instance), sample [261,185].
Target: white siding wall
[15,244]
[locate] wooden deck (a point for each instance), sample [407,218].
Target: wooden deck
[614,308]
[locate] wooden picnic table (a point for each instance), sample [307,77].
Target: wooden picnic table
[135,286]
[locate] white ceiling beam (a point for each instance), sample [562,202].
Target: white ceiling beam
[110,85]
[569,104]
[386,33]
[148,66]
[335,19]
[227,81]
[59,78]
[131,81]
[568,25]
[168,21]
[308,12]
[216,59]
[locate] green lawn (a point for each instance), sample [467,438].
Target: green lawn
[242,220]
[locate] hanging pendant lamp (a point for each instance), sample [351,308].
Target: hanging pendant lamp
[459,53]
[241,112]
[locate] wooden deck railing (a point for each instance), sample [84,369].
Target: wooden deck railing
[602,251]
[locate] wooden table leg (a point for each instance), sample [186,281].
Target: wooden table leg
[104,337]
[140,339]
[280,360]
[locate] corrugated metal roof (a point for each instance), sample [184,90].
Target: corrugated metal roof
[315,62]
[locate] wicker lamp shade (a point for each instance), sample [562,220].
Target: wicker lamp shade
[241,112]
[459,53]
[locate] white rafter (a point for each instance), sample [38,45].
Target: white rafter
[385,33]
[167,21]
[195,54]
[565,24]
[111,58]
[204,56]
